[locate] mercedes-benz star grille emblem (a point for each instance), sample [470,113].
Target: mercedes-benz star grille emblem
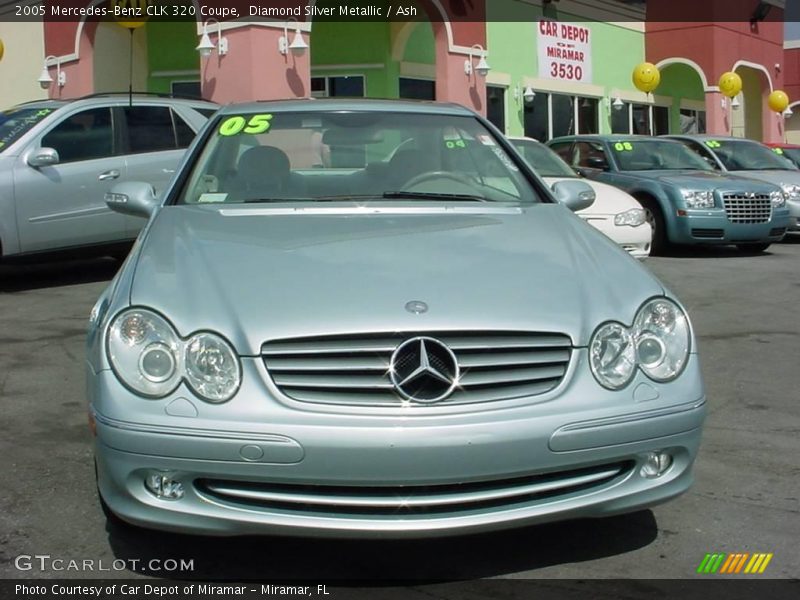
[424,370]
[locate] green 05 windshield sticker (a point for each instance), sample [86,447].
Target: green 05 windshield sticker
[778,150]
[236,125]
[713,144]
[623,146]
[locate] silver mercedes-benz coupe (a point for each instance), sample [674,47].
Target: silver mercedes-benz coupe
[372,318]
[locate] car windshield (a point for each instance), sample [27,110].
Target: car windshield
[748,156]
[16,122]
[649,154]
[342,155]
[542,159]
[793,154]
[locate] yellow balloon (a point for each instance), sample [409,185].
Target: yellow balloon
[2,49]
[730,84]
[778,101]
[132,13]
[646,77]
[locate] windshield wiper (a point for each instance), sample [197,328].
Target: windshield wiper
[434,196]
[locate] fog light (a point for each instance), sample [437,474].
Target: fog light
[163,487]
[656,464]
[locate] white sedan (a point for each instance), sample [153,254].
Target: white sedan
[615,213]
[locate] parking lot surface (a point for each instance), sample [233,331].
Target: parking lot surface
[745,498]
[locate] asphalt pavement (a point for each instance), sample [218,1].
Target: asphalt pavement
[745,498]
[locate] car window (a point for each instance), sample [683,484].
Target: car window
[742,156]
[702,152]
[792,154]
[206,112]
[86,135]
[183,133]
[648,154]
[564,150]
[149,128]
[16,122]
[542,159]
[374,155]
[590,155]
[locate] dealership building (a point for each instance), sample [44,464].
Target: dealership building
[540,68]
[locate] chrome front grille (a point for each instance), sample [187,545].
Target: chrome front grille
[354,370]
[747,208]
[410,500]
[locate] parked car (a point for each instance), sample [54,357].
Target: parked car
[615,213]
[58,158]
[686,201]
[748,158]
[318,335]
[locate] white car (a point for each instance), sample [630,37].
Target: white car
[615,213]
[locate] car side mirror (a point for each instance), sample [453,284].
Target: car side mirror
[134,198]
[43,157]
[575,195]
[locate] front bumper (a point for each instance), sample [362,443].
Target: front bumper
[634,240]
[713,227]
[333,475]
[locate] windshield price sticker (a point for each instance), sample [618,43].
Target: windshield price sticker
[236,125]
[778,150]
[453,144]
[713,144]
[623,147]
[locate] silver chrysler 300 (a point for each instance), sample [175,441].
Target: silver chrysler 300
[371,318]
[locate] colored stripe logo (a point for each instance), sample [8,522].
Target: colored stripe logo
[734,563]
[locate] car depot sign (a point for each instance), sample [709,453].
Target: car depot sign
[565,51]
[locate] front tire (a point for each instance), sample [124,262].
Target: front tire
[654,216]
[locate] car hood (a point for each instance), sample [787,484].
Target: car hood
[773,176]
[702,180]
[610,200]
[268,273]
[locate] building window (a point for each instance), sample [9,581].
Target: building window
[417,89]
[693,121]
[554,115]
[642,119]
[496,106]
[186,89]
[347,86]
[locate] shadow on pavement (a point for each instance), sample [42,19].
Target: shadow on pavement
[18,277]
[385,562]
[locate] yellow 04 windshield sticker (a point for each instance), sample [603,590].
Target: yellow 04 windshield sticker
[236,125]
[623,146]
[713,144]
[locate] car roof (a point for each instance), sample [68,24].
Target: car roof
[781,145]
[345,104]
[710,136]
[607,137]
[120,97]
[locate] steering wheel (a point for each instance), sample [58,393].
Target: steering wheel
[436,175]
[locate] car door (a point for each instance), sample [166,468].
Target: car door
[63,205]
[155,138]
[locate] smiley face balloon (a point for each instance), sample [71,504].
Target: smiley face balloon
[730,84]
[646,77]
[778,101]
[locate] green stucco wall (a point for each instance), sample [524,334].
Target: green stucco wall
[680,81]
[513,52]
[171,48]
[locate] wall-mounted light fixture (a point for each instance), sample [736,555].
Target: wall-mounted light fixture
[206,45]
[524,95]
[45,80]
[298,45]
[787,113]
[735,104]
[617,103]
[482,68]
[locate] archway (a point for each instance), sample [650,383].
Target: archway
[686,84]
[748,120]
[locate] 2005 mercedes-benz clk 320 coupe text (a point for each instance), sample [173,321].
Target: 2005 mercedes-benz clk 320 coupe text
[372,318]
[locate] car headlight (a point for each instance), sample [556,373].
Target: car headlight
[632,217]
[790,192]
[661,331]
[149,357]
[612,355]
[211,367]
[698,198]
[658,343]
